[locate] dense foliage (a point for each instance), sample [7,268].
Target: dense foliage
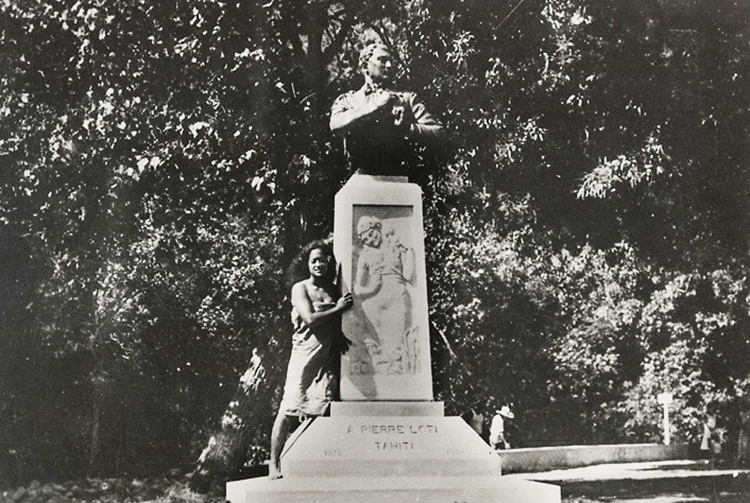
[587,229]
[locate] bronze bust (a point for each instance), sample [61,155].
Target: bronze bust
[383,128]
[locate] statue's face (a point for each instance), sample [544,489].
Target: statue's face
[380,67]
[371,237]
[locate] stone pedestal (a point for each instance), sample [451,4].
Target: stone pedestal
[465,489]
[387,440]
[392,439]
[388,324]
[390,451]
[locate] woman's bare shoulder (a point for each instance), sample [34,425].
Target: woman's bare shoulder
[300,287]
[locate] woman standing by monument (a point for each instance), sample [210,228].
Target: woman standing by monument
[317,343]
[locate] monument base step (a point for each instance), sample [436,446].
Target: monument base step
[398,452]
[387,408]
[452,489]
[389,446]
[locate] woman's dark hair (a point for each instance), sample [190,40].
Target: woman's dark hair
[298,270]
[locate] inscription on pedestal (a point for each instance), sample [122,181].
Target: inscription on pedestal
[414,437]
[387,438]
[394,437]
[399,429]
[392,444]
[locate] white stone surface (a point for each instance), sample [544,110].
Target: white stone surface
[374,409]
[384,446]
[388,326]
[463,489]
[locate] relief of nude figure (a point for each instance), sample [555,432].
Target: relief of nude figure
[384,284]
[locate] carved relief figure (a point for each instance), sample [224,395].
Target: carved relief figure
[384,281]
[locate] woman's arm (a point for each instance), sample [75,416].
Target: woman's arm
[302,303]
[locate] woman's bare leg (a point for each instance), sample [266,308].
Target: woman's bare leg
[279,434]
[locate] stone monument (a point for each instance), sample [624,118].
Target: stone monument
[387,439]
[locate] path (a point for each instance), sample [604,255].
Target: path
[676,481]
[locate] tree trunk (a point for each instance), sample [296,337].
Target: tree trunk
[96,414]
[226,454]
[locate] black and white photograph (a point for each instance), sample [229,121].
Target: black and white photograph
[306,251]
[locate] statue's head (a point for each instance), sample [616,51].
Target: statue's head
[376,63]
[369,230]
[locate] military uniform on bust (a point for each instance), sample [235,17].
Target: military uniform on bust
[382,128]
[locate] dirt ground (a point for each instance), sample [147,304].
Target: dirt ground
[719,487]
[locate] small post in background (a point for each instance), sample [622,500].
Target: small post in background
[664,400]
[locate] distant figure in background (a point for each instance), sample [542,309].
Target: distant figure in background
[497,428]
[475,420]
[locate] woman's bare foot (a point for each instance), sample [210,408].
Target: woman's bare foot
[274,474]
[279,433]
